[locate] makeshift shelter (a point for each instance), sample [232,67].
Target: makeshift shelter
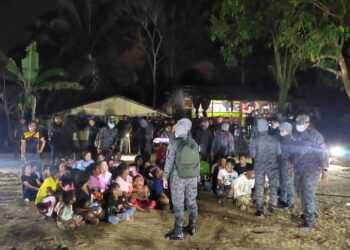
[116,105]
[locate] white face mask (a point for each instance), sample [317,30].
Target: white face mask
[111,125]
[300,128]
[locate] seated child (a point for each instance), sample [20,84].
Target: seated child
[86,204]
[225,178]
[66,179]
[95,182]
[85,162]
[157,189]
[45,199]
[214,173]
[145,172]
[119,208]
[140,195]
[101,157]
[66,219]
[105,175]
[71,161]
[30,183]
[242,187]
[125,181]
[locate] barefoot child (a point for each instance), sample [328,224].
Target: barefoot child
[119,208]
[66,219]
[140,195]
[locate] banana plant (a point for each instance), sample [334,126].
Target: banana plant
[31,80]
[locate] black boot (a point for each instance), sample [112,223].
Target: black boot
[191,229]
[176,234]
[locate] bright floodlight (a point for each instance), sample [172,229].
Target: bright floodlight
[337,151]
[127,135]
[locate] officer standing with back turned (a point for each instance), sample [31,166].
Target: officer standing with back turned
[182,167]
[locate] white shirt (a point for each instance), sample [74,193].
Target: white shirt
[227,177]
[242,186]
[125,186]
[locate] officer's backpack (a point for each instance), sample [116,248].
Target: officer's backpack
[187,158]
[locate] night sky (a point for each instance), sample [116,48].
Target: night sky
[15,16]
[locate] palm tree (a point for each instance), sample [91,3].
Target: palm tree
[31,80]
[84,31]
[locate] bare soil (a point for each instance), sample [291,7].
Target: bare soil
[219,227]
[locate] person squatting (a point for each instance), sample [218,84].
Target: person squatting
[286,160]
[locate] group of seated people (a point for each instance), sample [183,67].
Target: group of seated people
[228,180]
[87,191]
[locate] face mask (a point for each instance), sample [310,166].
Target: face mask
[300,128]
[111,125]
[274,126]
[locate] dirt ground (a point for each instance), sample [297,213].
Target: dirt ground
[219,227]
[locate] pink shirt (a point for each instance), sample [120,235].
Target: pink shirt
[96,182]
[125,186]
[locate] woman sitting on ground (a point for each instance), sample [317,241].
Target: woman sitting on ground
[85,162]
[140,195]
[125,181]
[95,182]
[66,219]
[30,183]
[90,210]
[105,175]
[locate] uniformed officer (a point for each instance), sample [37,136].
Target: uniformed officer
[181,189]
[287,194]
[310,160]
[265,150]
[107,138]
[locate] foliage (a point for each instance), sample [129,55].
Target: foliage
[86,33]
[31,80]
[242,23]
[325,26]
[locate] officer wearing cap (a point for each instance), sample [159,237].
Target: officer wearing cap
[265,149]
[107,138]
[310,160]
[287,193]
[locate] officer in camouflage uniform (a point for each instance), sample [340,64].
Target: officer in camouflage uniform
[265,150]
[181,189]
[286,199]
[107,138]
[310,160]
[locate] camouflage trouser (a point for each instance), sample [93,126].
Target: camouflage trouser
[306,183]
[273,176]
[286,185]
[183,190]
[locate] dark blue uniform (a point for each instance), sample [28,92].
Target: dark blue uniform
[310,158]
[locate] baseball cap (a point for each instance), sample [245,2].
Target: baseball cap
[302,119]
[286,126]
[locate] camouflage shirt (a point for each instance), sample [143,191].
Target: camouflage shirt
[310,151]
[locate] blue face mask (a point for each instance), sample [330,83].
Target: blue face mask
[274,126]
[300,128]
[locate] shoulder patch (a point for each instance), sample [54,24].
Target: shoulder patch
[323,146]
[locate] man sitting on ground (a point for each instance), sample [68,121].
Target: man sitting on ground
[242,187]
[243,166]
